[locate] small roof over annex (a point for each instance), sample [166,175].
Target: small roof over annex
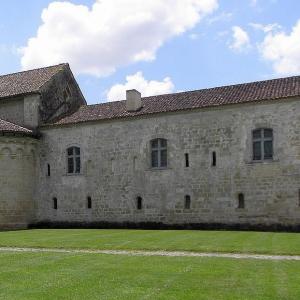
[8,128]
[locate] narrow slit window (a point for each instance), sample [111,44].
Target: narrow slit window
[89,202]
[187,160]
[48,170]
[139,203]
[299,197]
[54,203]
[214,159]
[241,200]
[187,202]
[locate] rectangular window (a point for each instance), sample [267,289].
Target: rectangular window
[89,202]
[262,144]
[187,161]
[214,159]
[159,154]
[187,202]
[54,203]
[48,170]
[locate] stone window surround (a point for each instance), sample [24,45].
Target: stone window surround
[150,153]
[81,160]
[249,143]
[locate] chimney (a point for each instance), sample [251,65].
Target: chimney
[133,100]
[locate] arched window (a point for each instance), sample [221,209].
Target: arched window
[262,144]
[159,153]
[241,199]
[74,163]
[139,203]
[187,202]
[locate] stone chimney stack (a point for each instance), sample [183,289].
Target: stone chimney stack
[133,100]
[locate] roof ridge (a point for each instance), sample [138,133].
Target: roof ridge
[41,68]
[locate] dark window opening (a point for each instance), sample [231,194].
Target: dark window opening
[89,202]
[299,197]
[48,170]
[187,161]
[159,153]
[262,146]
[54,203]
[187,202]
[74,160]
[214,159]
[241,199]
[139,203]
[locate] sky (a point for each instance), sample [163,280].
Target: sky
[154,46]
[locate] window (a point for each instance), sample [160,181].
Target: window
[187,202]
[89,202]
[214,159]
[187,161]
[139,203]
[299,197]
[54,203]
[159,153]
[262,144]
[74,163]
[48,170]
[241,199]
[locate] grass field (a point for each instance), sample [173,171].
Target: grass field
[172,240]
[97,276]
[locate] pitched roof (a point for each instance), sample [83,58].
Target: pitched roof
[8,127]
[26,82]
[240,93]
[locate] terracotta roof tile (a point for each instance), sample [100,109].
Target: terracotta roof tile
[241,93]
[26,82]
[8,127]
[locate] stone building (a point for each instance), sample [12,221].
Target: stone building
[225,156]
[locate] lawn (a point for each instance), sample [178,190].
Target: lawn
[49,275]
[94,276]
[171,240]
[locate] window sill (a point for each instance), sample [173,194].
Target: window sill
[264,162]
[158,169]
[74,174]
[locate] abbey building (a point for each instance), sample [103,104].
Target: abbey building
[227,155]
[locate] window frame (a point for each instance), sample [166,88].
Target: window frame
[159,149]
[74,158]
[187,202]
[261,140]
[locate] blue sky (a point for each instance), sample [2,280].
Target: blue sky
[226,42]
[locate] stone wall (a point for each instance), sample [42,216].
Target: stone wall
[116,168]
[17,181]
[12,110]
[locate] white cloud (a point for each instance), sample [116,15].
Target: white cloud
[283,50]
[241,40]
[266,28]
[222,17]
[145,87]
[110,34]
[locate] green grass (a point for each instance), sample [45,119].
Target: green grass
[175,240]
[92,276]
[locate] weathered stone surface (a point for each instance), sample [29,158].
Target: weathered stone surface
[116,168]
